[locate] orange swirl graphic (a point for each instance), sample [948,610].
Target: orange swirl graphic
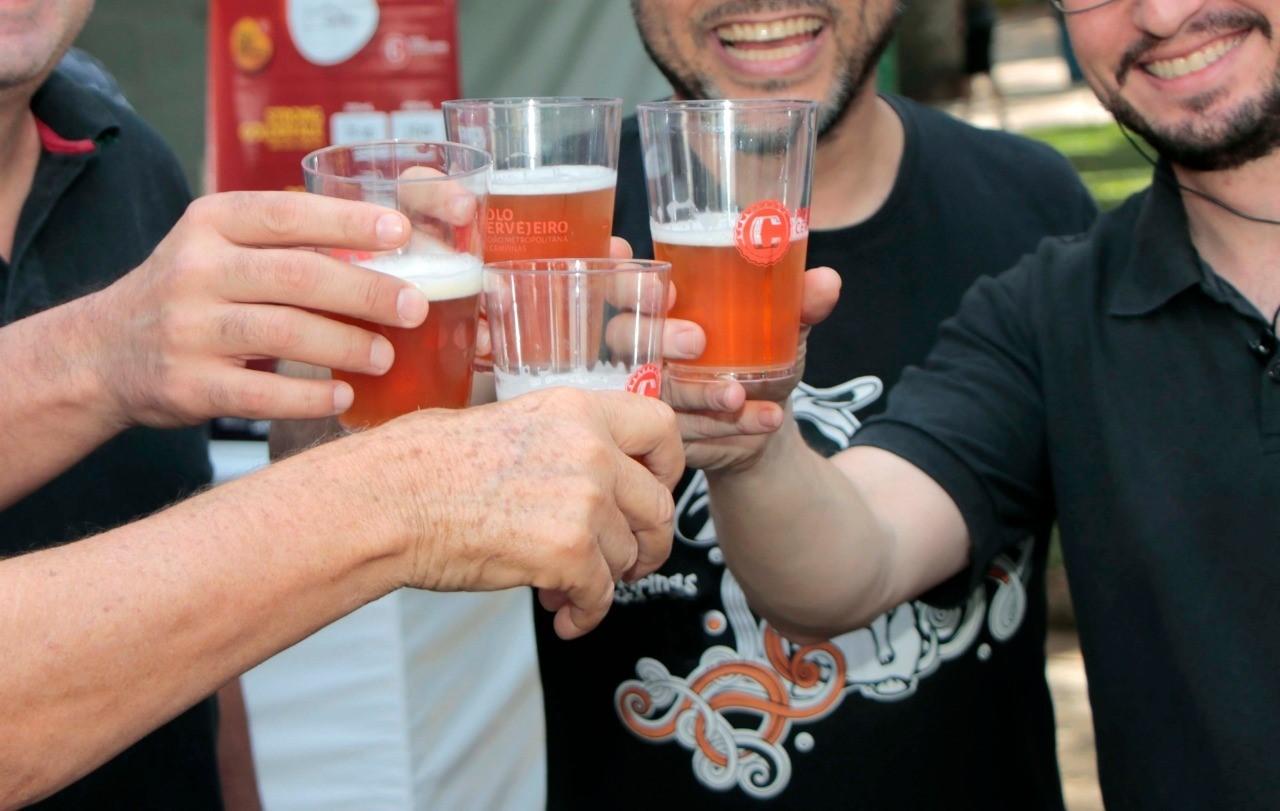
[775,708]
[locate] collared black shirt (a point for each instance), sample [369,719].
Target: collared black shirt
[106,191]
[1108,382]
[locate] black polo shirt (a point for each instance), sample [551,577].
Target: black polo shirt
[1109,382]
[106,191]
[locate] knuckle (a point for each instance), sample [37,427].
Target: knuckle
[357,346]
[252,402]
[571,543]
[279,332]
[570,400]
[666,416]
[216,394]
[235,327]
[665,510]
[587,493]
[293,275]
[177,327]
[189,258]
[200,210]
[371,290]
[283,217]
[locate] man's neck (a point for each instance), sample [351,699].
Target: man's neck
[857,162]
[1245,253]
[19,155]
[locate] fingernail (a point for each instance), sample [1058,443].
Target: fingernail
[728,397]
[771,419]
[343,397]
[381,355]
[411,306]
[688,343]
[390,228]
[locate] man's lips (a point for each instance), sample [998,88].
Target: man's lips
[1176,67]
[770,45]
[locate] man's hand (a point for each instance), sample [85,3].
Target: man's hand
[720,427]
[233,281]
[563,490]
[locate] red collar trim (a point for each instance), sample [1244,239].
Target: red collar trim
[57,145]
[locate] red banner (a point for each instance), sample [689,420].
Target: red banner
[290,76]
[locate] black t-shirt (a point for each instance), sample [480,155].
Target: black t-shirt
[684,699]
[106,191]
[1115,382]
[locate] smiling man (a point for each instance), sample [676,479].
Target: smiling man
[919,708]
[1125,384]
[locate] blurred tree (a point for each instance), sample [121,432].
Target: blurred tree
[931,49]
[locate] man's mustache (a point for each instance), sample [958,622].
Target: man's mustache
[736,8]
[1214,22]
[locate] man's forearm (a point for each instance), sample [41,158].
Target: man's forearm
[801,541]
[107,638]
[53,407]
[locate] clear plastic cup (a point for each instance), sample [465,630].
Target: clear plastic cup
[729,185]
[443,257]
[591,324]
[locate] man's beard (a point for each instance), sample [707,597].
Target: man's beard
[1247,133]
[849,81]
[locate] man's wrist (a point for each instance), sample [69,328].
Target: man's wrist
[66,349]
[83,323]
[401,479]
[782,444]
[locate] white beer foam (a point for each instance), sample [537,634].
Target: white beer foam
[441,276]
[706,231]
[552,180]
[604,377]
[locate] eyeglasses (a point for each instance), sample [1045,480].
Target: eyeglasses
[1079,6]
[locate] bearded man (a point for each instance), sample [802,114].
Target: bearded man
[1125,384]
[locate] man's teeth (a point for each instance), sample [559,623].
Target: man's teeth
[1201,59]
[768,31]
[765,54]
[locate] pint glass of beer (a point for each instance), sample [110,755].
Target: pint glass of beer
[555,164]
[728,185]
[425,181]
[583,323]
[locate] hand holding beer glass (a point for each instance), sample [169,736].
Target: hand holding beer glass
[729,185]
[441,188]
[592,324]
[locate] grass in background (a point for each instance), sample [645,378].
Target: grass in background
[1106,162]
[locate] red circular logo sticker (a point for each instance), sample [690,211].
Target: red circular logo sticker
[646,380]
[763,232]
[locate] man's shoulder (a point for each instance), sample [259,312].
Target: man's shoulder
[961,145]
[88,82]
[1066,273]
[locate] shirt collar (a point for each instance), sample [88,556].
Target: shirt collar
[1162,262]
[72,119]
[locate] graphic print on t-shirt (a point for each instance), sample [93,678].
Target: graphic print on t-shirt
[736,711]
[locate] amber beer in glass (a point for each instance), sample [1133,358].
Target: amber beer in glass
[433,362]
[728,185]
[555,168]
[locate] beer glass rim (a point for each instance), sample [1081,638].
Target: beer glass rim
[573,266]
[536,101]
[484,161]
[726,104]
